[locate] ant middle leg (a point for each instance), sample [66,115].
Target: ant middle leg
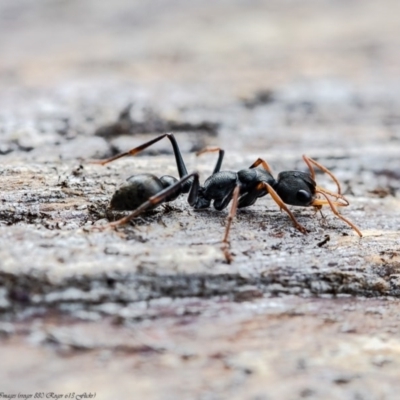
[263,163]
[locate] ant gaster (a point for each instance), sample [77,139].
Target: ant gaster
[296,188]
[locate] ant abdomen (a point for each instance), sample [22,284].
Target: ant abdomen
[138,189]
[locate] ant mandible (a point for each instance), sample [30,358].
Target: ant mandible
[243,188]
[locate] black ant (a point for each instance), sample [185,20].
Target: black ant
[296,188]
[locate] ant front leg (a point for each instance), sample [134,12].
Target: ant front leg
[263,163]
[275,196]
[335,211]
[340,201]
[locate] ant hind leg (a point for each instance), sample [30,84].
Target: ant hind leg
[178,156]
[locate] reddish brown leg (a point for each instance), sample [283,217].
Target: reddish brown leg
[335,211]
[131,152]
[282,205]
[208,149]
[263,163]
[336,195]
[180,164]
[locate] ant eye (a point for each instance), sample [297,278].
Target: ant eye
[304,196]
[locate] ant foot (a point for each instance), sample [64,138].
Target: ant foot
[97,162]
[102,228]
[227,253]
[301,228]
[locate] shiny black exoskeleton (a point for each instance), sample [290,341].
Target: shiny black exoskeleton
[293,187]
[297,188]
[141,187]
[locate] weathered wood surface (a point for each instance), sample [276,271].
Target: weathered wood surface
[154,304]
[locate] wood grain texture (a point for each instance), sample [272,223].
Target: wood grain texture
[294,316]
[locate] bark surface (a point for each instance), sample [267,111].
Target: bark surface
[293,316]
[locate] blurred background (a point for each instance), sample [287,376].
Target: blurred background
[245,43]
[275,72]
[83,79]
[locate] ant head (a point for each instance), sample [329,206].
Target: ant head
[295,188]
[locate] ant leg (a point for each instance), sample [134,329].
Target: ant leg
[335,211]
[180,164]
[131,152]
[194,190]
[311,168]
[336,195]
[281,204]
[318,203]
[221,154]
[263,163]
[309,161]
[231,215]
[159,198]
[178,156]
